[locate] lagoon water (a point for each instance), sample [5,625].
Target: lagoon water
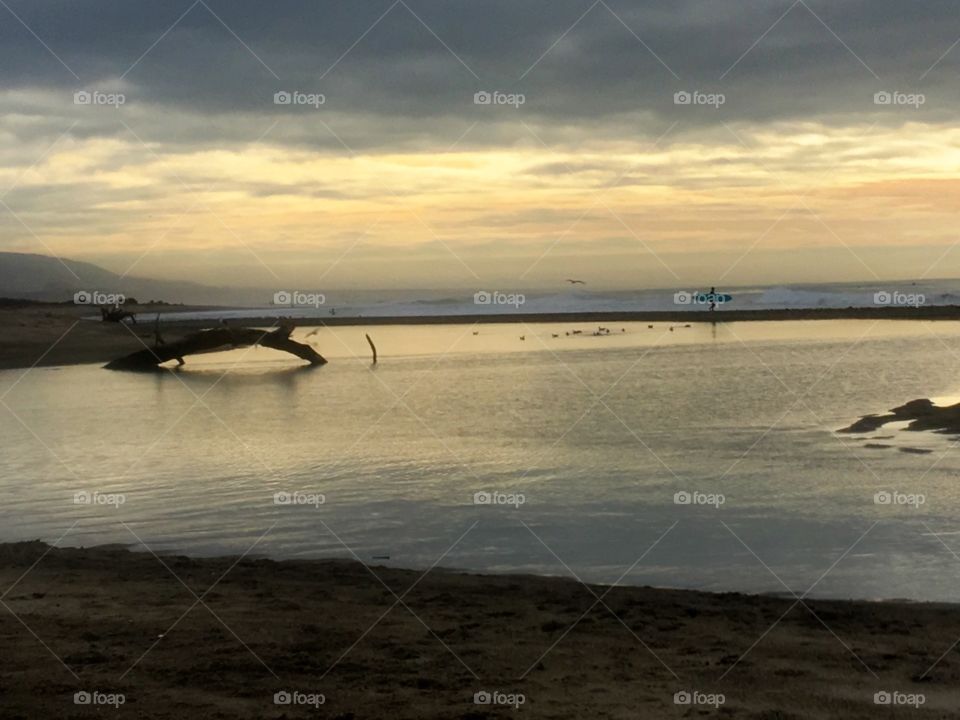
[597,434]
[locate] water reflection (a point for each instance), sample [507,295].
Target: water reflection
[700,409]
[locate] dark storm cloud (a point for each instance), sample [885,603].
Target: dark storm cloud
[411,79]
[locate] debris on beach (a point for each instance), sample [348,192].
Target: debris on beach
[213,340]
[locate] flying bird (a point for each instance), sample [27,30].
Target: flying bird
[576,282]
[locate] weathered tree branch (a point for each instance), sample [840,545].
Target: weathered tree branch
[207,341]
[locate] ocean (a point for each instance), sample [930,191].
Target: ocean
[319,302]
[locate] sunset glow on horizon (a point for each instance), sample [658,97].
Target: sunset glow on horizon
[202,175]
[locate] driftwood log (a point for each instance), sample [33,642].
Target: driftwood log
[207,341]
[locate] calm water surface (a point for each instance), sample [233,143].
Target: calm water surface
[598,434]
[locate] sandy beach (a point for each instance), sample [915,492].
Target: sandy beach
[55,334]
[217,638]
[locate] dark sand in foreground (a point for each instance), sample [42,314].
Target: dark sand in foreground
[126,624]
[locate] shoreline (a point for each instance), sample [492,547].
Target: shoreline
[45,335]
[335,628]
[376,562]
[937,312]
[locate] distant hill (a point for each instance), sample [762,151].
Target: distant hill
[41,277]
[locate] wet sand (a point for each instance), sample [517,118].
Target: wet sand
[112,621]
[47,335]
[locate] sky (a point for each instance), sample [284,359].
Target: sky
[483,143]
